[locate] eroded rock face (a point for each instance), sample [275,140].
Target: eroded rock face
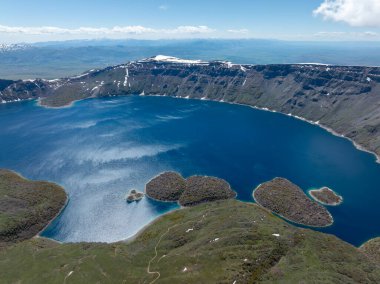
[288,200]
[167,186]
[200,189]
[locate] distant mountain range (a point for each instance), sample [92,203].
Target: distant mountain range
[13,47]
[51,60]
[342,98]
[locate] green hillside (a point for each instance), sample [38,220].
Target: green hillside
[218,242]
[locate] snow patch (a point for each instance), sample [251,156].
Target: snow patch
[313,63]
[171,59]
[79,76]
[214,240]
[126,77]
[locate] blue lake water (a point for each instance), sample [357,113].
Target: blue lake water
[99,149]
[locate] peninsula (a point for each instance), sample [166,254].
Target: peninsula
[225,241]
[26,207]
[289,201]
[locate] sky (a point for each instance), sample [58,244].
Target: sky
[302,20]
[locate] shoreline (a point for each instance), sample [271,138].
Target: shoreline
[177,202]
[68,105]
[286,219]
[357,146]
[141,230]
[38,235]
[317,123]
[56,215]
[310,192]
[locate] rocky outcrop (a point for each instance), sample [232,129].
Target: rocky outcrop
[134,195]
[343,98]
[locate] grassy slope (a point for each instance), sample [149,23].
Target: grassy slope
[372,249]
[230,241]
[26,206]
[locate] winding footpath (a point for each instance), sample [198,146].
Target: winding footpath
[158,243]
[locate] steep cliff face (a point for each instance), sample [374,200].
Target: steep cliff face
[345,99]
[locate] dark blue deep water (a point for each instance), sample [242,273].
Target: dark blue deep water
[101,148]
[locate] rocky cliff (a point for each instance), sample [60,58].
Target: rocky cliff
[344,99]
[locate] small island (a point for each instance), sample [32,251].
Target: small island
[172,187]
[289,201]
[134,195]
[200,189]
[326,196]
[228,233]
[167,186]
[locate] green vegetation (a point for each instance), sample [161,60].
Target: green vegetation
[372,249]
[219,242]
[167,186]
[200,189]
[171,187]
[288,200]
[326,196]
[26,207]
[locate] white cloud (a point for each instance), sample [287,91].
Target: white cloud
[368,35]
[190,30]
[136,30]
[238,31]
[163,7]
[357,13]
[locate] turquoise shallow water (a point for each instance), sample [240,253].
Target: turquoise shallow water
[101,148]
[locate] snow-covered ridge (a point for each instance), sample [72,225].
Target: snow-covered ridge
[171,59]
[313,63]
